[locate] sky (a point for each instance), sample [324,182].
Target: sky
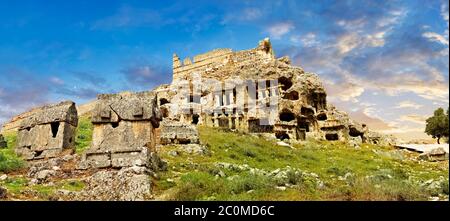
[384,62]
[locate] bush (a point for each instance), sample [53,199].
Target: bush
[246,182]
[9,163]
[198,186]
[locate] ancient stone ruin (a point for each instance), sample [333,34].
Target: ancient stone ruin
[124,141]
[48,132]
[251,91]
[124,131]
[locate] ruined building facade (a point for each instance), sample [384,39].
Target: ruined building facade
[252,91]
[124,131]
[48,132]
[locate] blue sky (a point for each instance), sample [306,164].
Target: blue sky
[383,59]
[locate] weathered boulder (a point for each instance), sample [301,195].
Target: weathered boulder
[3,143]
[436,154]
[48,131]
[174,132]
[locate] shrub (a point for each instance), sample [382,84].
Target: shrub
[9,163]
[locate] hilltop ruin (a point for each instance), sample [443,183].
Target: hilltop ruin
[253,91]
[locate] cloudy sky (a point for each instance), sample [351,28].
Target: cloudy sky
[385,62]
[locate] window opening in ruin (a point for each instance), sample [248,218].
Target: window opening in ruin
[354,132]
[28,128]
[285,82]
[55,128]
[301,134]
[332,136]
[322,116]
[254,126]
[163,101]
[233,123]
[221,101]
[164,112]
[293,95]
[306,111]
[38,153]
[286,115]
[114,124]
[304,125]
[282,135]
[223,122]
[183,141]
[195,118]
[234,95]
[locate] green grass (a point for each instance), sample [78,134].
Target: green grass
[72,185]
[84,134]
[374,172]
[9,161]
[20,188]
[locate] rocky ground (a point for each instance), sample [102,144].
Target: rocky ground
[238,166]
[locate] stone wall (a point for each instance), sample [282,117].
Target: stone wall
[124,131]
[252,91]
[207,63]
[48,131]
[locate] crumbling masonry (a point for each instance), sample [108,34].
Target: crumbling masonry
[124,131]
[48,132]
[252,91]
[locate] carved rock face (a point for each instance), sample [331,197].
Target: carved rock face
[48,131]
[216,89]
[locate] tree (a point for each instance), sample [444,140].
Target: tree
[437,125]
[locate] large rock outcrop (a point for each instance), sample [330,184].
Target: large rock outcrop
[48,132]
[253,91]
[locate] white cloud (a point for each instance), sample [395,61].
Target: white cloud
[278,30]
[307,40]
[413,118]
[408,104]
[351,41]
[432,36]
[250,14]
[444,10]
[346,91]
[56,80]
[245,15]
[348,42]
[392,18]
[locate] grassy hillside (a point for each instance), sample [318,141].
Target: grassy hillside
[239,166]
[9,161]
[84,134]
